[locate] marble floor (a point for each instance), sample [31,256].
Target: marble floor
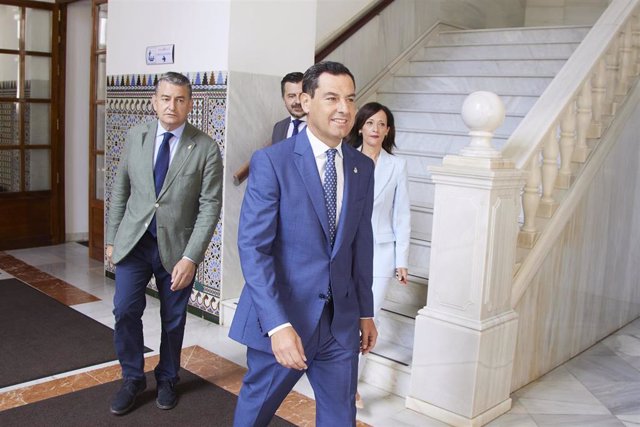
[599,387]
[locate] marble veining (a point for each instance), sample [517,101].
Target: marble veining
[587,287]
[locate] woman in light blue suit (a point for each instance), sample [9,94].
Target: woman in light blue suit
[374,134]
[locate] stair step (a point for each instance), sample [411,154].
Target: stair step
[438,141]
[447,103]
[573,34]
[446,121]
[480,67]
[466,85]
[497,51]
[386,374]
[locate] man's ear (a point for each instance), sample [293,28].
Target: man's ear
[305,100]
[154,99]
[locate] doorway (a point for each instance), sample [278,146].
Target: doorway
[31,123]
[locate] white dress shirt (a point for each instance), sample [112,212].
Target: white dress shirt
[173,142]
[301,126]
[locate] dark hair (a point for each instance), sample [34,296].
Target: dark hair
[175,79]
[311,76]
[295,77]
[364,113]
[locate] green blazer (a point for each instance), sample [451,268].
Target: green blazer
[188,206]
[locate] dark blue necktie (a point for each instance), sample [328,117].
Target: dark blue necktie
[162,162]
[160,172]
[330,187]
[296,123]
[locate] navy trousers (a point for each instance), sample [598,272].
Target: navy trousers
[132,276]
[332,372]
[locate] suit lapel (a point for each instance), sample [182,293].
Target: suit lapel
[348,195]
[148,144]
[183,150]
[383,172]
[306,164]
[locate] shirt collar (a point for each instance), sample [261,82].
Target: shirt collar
[177,132]
[319,147]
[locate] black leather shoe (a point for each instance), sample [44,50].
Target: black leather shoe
[125,398]
[167,396]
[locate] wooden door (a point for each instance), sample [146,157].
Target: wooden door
[97,129]
[31,123]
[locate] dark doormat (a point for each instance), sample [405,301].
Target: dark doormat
[42,337]
[201,403]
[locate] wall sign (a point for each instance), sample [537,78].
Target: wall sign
[157,55]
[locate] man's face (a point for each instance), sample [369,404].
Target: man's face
[331,111]
[291,98]
[172,104]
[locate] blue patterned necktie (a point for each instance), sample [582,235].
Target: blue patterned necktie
[330,187]
[296,124]
[160,172]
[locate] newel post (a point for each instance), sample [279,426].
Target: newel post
[466,334]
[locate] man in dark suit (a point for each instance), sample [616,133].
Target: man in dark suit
[291,88]
[306,250]
[165,205]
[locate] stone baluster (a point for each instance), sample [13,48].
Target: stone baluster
[599,83]
[466,378]
[583,117]
[567,145]
[611,60]
[530,202]
[550,151]
[624,69]
[635,36]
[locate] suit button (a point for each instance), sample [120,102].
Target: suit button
[146,225]
[157,205]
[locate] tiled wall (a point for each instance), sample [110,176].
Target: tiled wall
[10,135]
[128,104]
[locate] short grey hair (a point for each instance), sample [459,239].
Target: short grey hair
[175,79]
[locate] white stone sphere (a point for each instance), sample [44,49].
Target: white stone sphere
[483,111]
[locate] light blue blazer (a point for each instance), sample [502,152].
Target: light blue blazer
[391,219]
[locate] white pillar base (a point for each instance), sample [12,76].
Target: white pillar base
[454,419]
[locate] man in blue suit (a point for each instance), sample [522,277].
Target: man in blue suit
[306,250]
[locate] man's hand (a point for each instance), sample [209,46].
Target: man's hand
[109,253]
[287,348]
[368,335]
[182,274]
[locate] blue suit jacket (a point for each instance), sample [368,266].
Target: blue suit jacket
[286,256]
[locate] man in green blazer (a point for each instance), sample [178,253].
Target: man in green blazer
[165,204]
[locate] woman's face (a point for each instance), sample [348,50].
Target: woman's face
[375,129]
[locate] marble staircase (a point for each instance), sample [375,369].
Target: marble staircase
[426,96]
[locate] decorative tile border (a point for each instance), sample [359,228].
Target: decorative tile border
[128,104]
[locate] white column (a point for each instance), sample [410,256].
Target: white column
[465,336]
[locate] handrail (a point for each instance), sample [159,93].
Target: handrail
[578,104]
[332,44]
[565,85]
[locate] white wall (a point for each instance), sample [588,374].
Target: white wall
[564,12]
[334,15]
[267,38]
[199,29]
[266,42]
[79,32]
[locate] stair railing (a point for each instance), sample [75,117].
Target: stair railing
[571,115]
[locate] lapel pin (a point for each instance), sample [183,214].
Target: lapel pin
[189,147]
[355,170]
